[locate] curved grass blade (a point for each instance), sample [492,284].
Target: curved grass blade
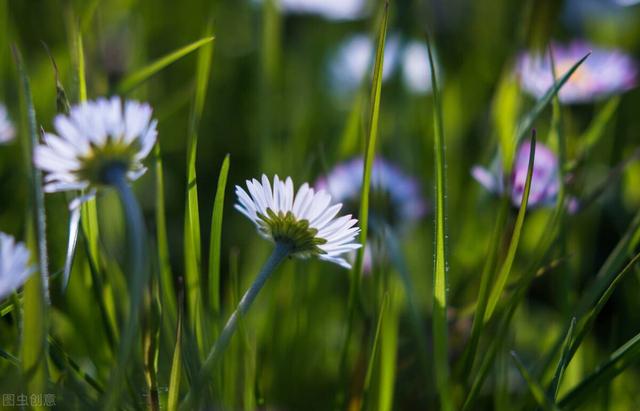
[215,242]
[527,122]
[138,77]
[598,126]
[505,270]
[536,389]
[36,289]
[587,322]
[617,362]
[440,266]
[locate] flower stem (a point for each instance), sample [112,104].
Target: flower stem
[138,273]
[278,255]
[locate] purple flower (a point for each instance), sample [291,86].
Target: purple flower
[605,72]
[545,181]
[395,198]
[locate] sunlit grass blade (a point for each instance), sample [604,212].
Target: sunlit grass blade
[505,269]
[562,362]
[176,366]
[81,72]
[527,122]
[617,362]
[440,265]
[505,111]
[215,242]
[192,238]
[36,289]
[369,156]
[139,76]
[534,386]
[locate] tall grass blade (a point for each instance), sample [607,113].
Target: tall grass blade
[505,269]
[192,239]
[376,338]
[176,366]
[139,76]
[36,289]
[215,242]
[440,266]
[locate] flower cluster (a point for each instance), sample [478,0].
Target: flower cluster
[14,265]
[305,221]
[604,73]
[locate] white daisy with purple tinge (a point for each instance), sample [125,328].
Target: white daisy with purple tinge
[7,132]
[604,73]
[14,265]
[545,180]
[305,221]
[416,70]
[94,140]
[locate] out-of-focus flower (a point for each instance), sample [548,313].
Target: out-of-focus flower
[96,139]
[7,132]
[305,221]
[416,71]
[604,73]
[545,181]
[14,265]
[354,59]
[395,199]
[627,2]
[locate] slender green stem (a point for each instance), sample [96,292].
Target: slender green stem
[138,274]
[279,254]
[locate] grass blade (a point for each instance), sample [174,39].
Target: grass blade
[215,242]
[598,125]
[36,289]
[527,122]
[505,270]
[440,266]
[617,362]
[376,338]
[192,239]
[176,367]
[138,77]
[536,389]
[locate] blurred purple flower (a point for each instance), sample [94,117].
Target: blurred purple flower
[395,198]
[605,72]
[544,181]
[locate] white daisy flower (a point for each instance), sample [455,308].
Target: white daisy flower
[305,221]
[335,10]
[7,132]
[14,265]
[95,140]
[98,142]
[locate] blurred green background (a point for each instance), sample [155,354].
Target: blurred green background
[271,107]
